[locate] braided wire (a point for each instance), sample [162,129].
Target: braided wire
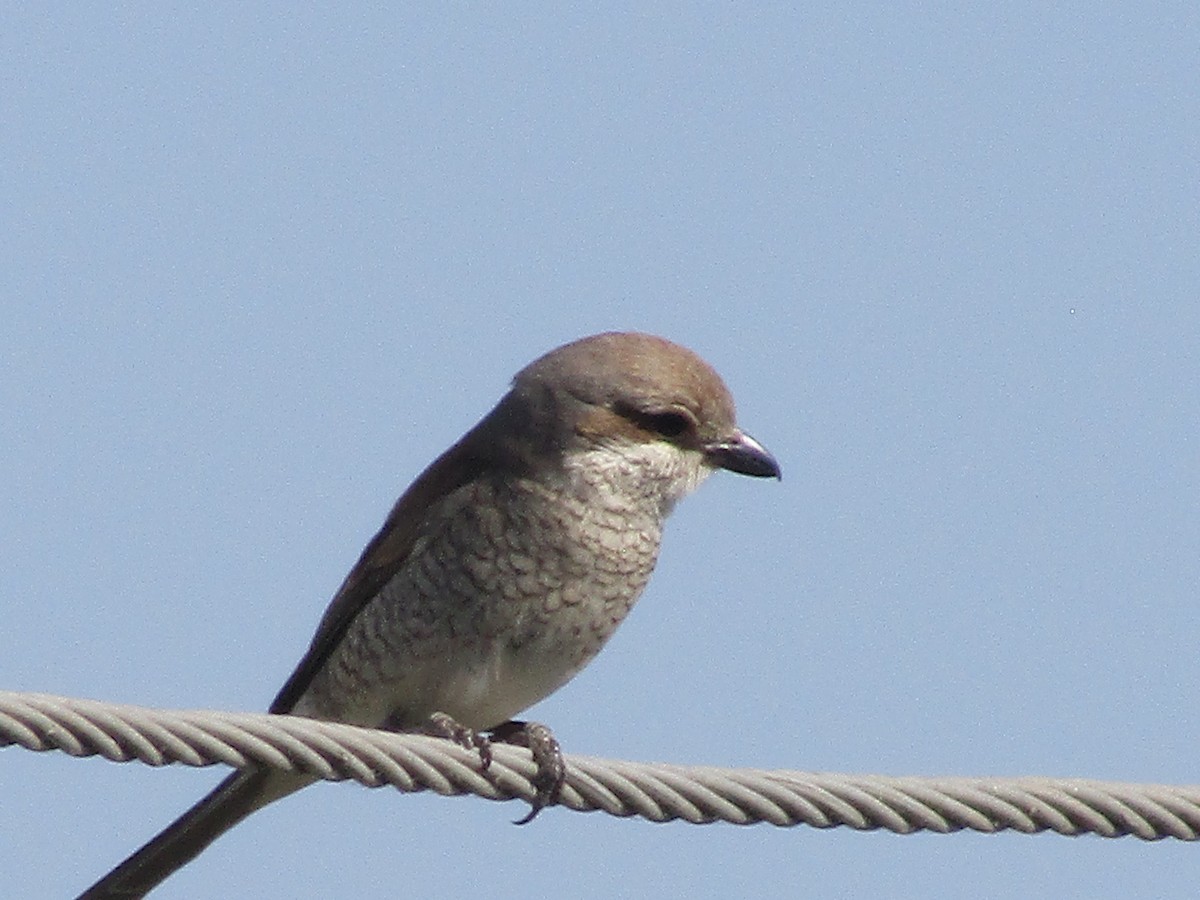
[657,792]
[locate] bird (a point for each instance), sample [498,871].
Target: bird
[500,572]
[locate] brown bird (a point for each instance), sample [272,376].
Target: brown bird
[501,571]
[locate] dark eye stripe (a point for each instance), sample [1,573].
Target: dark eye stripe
[667,423]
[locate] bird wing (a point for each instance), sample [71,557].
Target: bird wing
[387,553]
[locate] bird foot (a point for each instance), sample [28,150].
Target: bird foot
[444,726]
[547,756]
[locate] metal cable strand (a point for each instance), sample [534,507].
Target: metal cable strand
[656,792]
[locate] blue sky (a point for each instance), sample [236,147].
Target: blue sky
[262,265]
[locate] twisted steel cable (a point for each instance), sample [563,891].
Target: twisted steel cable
[657,792]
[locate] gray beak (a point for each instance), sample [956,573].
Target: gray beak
[744,455]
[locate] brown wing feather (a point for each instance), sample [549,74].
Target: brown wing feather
[387,553]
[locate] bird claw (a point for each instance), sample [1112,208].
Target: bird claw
[444,726]
[547,755]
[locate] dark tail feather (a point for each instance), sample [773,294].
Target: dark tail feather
[179,843]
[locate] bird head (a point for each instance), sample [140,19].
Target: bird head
[642,413]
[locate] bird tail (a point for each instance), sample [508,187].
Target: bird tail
[179,843]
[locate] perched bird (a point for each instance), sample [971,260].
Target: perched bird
[501,571]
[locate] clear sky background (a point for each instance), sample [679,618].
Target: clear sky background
[260,266]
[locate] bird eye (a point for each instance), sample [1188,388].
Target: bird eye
[668,423]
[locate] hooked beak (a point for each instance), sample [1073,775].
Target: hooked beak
[744,455]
